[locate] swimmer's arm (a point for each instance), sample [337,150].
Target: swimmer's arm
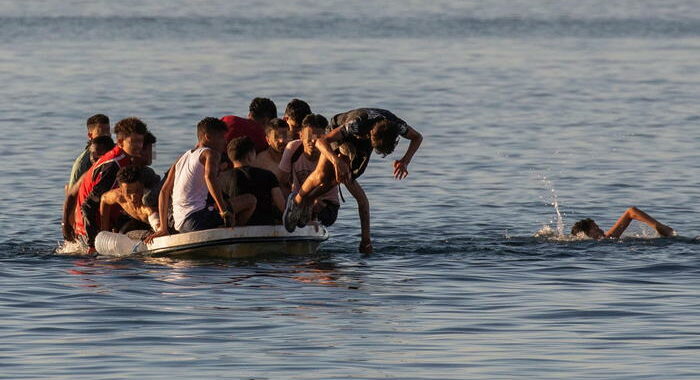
[634,213]
[211,172]
[363,208]
[106,201]
[401,166]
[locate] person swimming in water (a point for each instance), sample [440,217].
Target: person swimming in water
[589,227]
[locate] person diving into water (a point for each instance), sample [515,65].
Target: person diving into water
[588,227]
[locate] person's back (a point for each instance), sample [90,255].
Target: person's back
[261,110]
[189,190]
[260,183]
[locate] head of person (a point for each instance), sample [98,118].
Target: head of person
[262,110]
[588,227]
[276,134]
[131,133]
[211,132]
[312,127]
[294,114]
[384,136]
[241,149]
[146,158]
[99,146]
[97,125]
[131,183]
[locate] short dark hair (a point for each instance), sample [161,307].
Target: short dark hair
[239,147]
[583,225]
[149,139]
[96,119]
[130,125]
[297,110]
[210,125]
[262,109]
[105,142]
[384,136]
[314,120]
[129,174]
[276,124]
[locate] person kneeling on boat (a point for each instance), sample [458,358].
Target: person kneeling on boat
[357,133]
[192,185]
[259,184]
[588,227]
[129,197]
[300,159]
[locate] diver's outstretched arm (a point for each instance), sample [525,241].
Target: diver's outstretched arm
[634,213]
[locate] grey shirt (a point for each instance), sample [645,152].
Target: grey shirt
[80,166]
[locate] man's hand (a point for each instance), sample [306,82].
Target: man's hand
[159,233]
[366,246]
[400,169]
[68,232]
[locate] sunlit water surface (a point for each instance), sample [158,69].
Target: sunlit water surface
[589,104]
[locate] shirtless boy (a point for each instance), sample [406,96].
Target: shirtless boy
[84,198]
[589,227]
[300,159]
[128,196]
[358,132]
[276,134]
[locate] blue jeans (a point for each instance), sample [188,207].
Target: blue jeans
[203,219]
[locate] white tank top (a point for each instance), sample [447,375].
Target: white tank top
[190,190]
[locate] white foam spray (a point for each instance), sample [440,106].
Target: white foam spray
[547,231]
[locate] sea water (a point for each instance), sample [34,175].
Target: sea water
[598,97]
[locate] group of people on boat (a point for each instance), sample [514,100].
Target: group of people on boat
[259,170]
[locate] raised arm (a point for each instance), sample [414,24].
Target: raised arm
[401,166]
[634,213]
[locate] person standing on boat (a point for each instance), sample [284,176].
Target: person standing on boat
[356,133]
[192,185]
[97,125]
[261,111]
[300,159]
[99,179]
[276,134]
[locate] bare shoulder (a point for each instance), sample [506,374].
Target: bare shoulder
[113,196]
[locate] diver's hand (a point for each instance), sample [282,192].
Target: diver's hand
[400,169]
[159,233]
[68,232]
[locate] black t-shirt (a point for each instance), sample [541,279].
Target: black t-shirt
[259,182]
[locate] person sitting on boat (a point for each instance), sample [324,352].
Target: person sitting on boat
[192,185]
[261,111]
[150,179]
[129,197]
[97,125]
[588,227]
[99,179]
[276,134]
[300,159]
[261,183]
[294,115]
[358,132]
[98,147]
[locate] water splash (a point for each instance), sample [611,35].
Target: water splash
[554,203]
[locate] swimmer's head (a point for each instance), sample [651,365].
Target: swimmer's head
[384,136]
[589,227]
[99,146]
[130,183]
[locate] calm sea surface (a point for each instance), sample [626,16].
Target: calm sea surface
[592,105]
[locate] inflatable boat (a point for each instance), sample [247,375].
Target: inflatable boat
[239,242]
